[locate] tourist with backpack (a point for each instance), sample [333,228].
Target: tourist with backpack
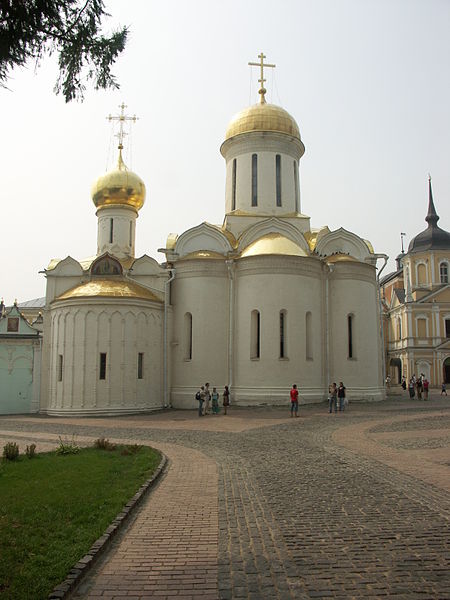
[200,397]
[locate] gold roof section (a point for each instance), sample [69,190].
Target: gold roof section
[110,288]
[369,245]
[273,243]
[334,258]
[208,254]
[87,262]
[263,117]
[120,187]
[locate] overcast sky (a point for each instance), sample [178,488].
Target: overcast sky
[368,82]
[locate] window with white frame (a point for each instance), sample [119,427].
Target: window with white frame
[443,272]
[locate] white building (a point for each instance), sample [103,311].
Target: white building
[284,303]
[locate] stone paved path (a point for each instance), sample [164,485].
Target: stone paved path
[259,506]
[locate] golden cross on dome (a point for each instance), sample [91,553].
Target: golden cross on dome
[261,64]
[122,118]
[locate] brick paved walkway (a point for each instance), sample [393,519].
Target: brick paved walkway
[257,505]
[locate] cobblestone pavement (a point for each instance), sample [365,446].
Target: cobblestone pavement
[353,505]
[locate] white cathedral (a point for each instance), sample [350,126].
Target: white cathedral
[286,303]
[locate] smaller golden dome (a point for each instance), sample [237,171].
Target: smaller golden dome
[273,243]
[120,187]
[109,288]
[263,117]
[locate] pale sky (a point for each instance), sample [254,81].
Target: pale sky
[368,82]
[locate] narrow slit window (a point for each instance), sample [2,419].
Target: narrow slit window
[255,334]
[278,178]
[102,373]
[111,230]
[188,336]
[233,186]
[309,337]
[296,191]
[254,180]
[140,365]
[350,336]
[282,334]
[131,233]
[60,367]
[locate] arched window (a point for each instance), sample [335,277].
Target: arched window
[233,185]
[399,328]
[254,180]
[350,330]
[296,191]
[283,329]
[106,265]
[443,272]
[188,336]
[278,178]
[421,274]
[255,334]
[308,340]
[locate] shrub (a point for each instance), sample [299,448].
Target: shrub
[31,451]
[10,451]
[104,444]
[65,447]
[130,449]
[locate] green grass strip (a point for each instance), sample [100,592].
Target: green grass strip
[53,508]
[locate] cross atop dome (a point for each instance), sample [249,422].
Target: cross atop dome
[261,65]
[121,118]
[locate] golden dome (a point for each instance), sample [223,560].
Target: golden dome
[109,288]
[263,117]
[120,187]
[273,243]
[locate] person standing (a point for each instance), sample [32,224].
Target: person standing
[426,385]
[419,387]
[332,390]
[215,401]
[341,396]
[443,389]
[404,383]
[226,399]
[207,398]
[411,388]
[200,396]
[294,400]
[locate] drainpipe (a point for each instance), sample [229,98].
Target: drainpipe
[165,340]
[230,266]
[383,353]
[327,325]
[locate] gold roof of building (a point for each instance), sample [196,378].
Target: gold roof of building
[110,288]
[334,258]
[119,187]
[273,243]
[263,117]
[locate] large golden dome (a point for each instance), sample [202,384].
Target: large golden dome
[263,117]
[120,187]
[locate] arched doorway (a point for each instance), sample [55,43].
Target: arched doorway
[395,370]
[446,370]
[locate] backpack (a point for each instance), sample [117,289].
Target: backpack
[197,396]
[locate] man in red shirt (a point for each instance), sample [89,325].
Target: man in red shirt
[294,400]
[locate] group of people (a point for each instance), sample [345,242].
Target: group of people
[336,397]
[208,402]
[420,385]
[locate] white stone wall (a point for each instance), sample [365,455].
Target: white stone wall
[242,148]
[353,291]
[123,220]
[271,284]
[201,289]
[82,329]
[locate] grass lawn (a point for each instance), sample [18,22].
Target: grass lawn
[52,509]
